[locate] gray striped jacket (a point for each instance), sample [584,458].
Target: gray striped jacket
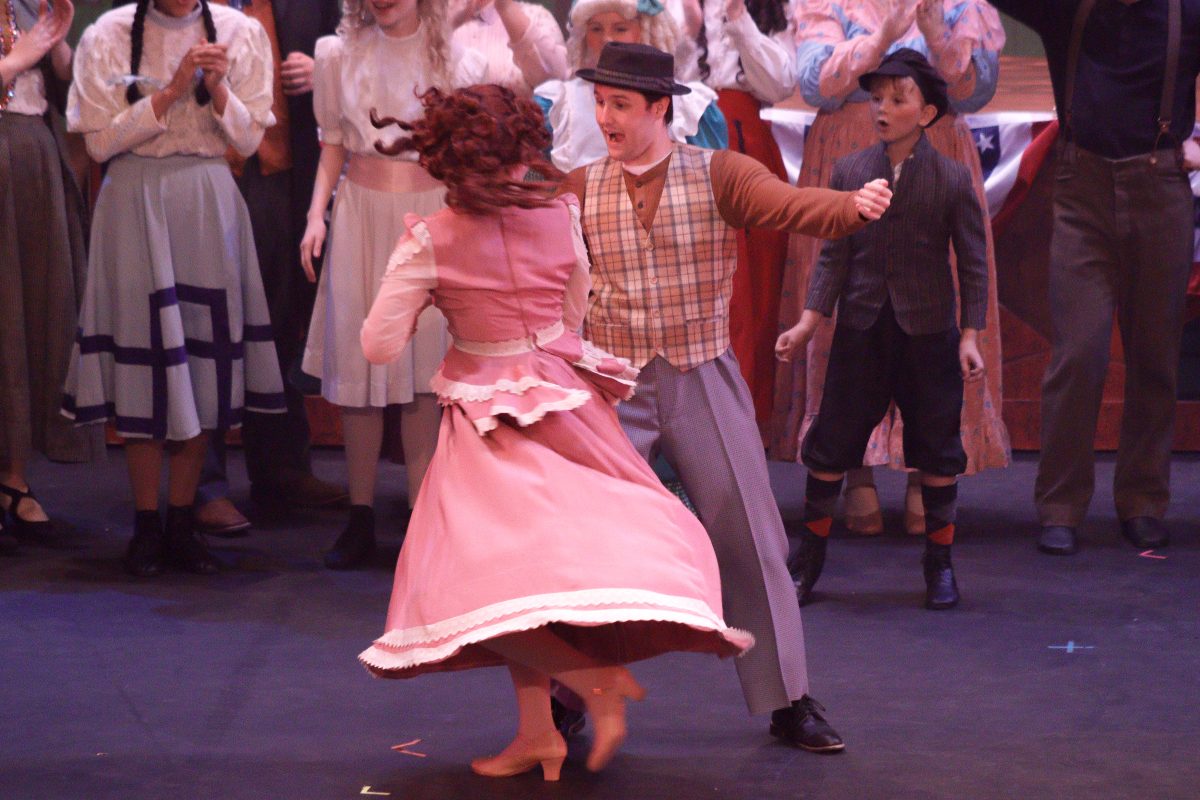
[905,256]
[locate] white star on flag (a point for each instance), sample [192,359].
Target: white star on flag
[983,141]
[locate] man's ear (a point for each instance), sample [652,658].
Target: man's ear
[659,107]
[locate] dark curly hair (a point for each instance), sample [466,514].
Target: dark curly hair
[471,138]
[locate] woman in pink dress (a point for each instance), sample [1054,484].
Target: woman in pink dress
[539,539]
[837,41]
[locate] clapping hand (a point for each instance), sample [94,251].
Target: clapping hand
[213,60]
[931,19]
[47,33]
[898,19]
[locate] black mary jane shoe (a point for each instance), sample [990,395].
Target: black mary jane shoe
[802,725]
[805,567]
[941,590]
[356,544]
[21,527]
[144,556]
[184,549]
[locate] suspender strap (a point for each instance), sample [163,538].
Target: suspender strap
[1081,15]
[1174,33]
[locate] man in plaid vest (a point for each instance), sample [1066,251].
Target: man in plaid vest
[660,221]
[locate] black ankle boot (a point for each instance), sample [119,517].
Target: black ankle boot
[941,590]
[355,546]
[807,564]
[185,551]
[144,556]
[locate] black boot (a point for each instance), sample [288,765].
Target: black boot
[185,551]
[941,590]
[144,556]
[807,564]
[355,546]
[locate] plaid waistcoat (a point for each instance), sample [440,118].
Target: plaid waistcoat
[665,292]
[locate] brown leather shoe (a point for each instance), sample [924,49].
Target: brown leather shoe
[220,517]
[308,491]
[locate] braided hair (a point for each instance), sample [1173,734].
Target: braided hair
[136,35]
[768,15]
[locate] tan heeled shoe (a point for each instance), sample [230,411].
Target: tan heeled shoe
[863,514]
[522,755]
[606,707]
[914,510]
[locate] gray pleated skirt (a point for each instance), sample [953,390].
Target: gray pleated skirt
[174,336]
[42,267]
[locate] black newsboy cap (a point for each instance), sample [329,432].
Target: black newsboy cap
[908,63]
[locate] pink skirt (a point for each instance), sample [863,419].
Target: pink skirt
[549,518]
[799,385]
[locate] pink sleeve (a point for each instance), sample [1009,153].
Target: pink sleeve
[579,285]
[829,63]
[404,293]
[976,29]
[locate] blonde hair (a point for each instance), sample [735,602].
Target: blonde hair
[658,31]
[357,17]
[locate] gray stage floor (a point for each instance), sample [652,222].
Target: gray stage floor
[1057,678]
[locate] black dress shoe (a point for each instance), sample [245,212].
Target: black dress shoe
[802,725]
[184,550]
[568,721]
[1145,532]
[1057,540]
[144,556]
[356,544]
[807,564]
[941,590]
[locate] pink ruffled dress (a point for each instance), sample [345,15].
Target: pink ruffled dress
[536,509]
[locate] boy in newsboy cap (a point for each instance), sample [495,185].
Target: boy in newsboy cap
[896,337]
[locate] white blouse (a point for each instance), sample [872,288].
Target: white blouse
[768,63]
[540,55]
[370,69]
[97,107]
[577,137]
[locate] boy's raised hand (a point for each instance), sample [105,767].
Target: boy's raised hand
[970,360]
[873,199]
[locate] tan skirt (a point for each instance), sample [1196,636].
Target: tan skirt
[366,225]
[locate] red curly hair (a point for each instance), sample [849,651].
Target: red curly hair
[470,139]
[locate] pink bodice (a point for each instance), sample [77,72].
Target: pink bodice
[503,276]
[513,287]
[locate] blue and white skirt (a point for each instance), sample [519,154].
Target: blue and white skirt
[174,336]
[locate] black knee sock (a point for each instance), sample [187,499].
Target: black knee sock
[941,510]
[820,501]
